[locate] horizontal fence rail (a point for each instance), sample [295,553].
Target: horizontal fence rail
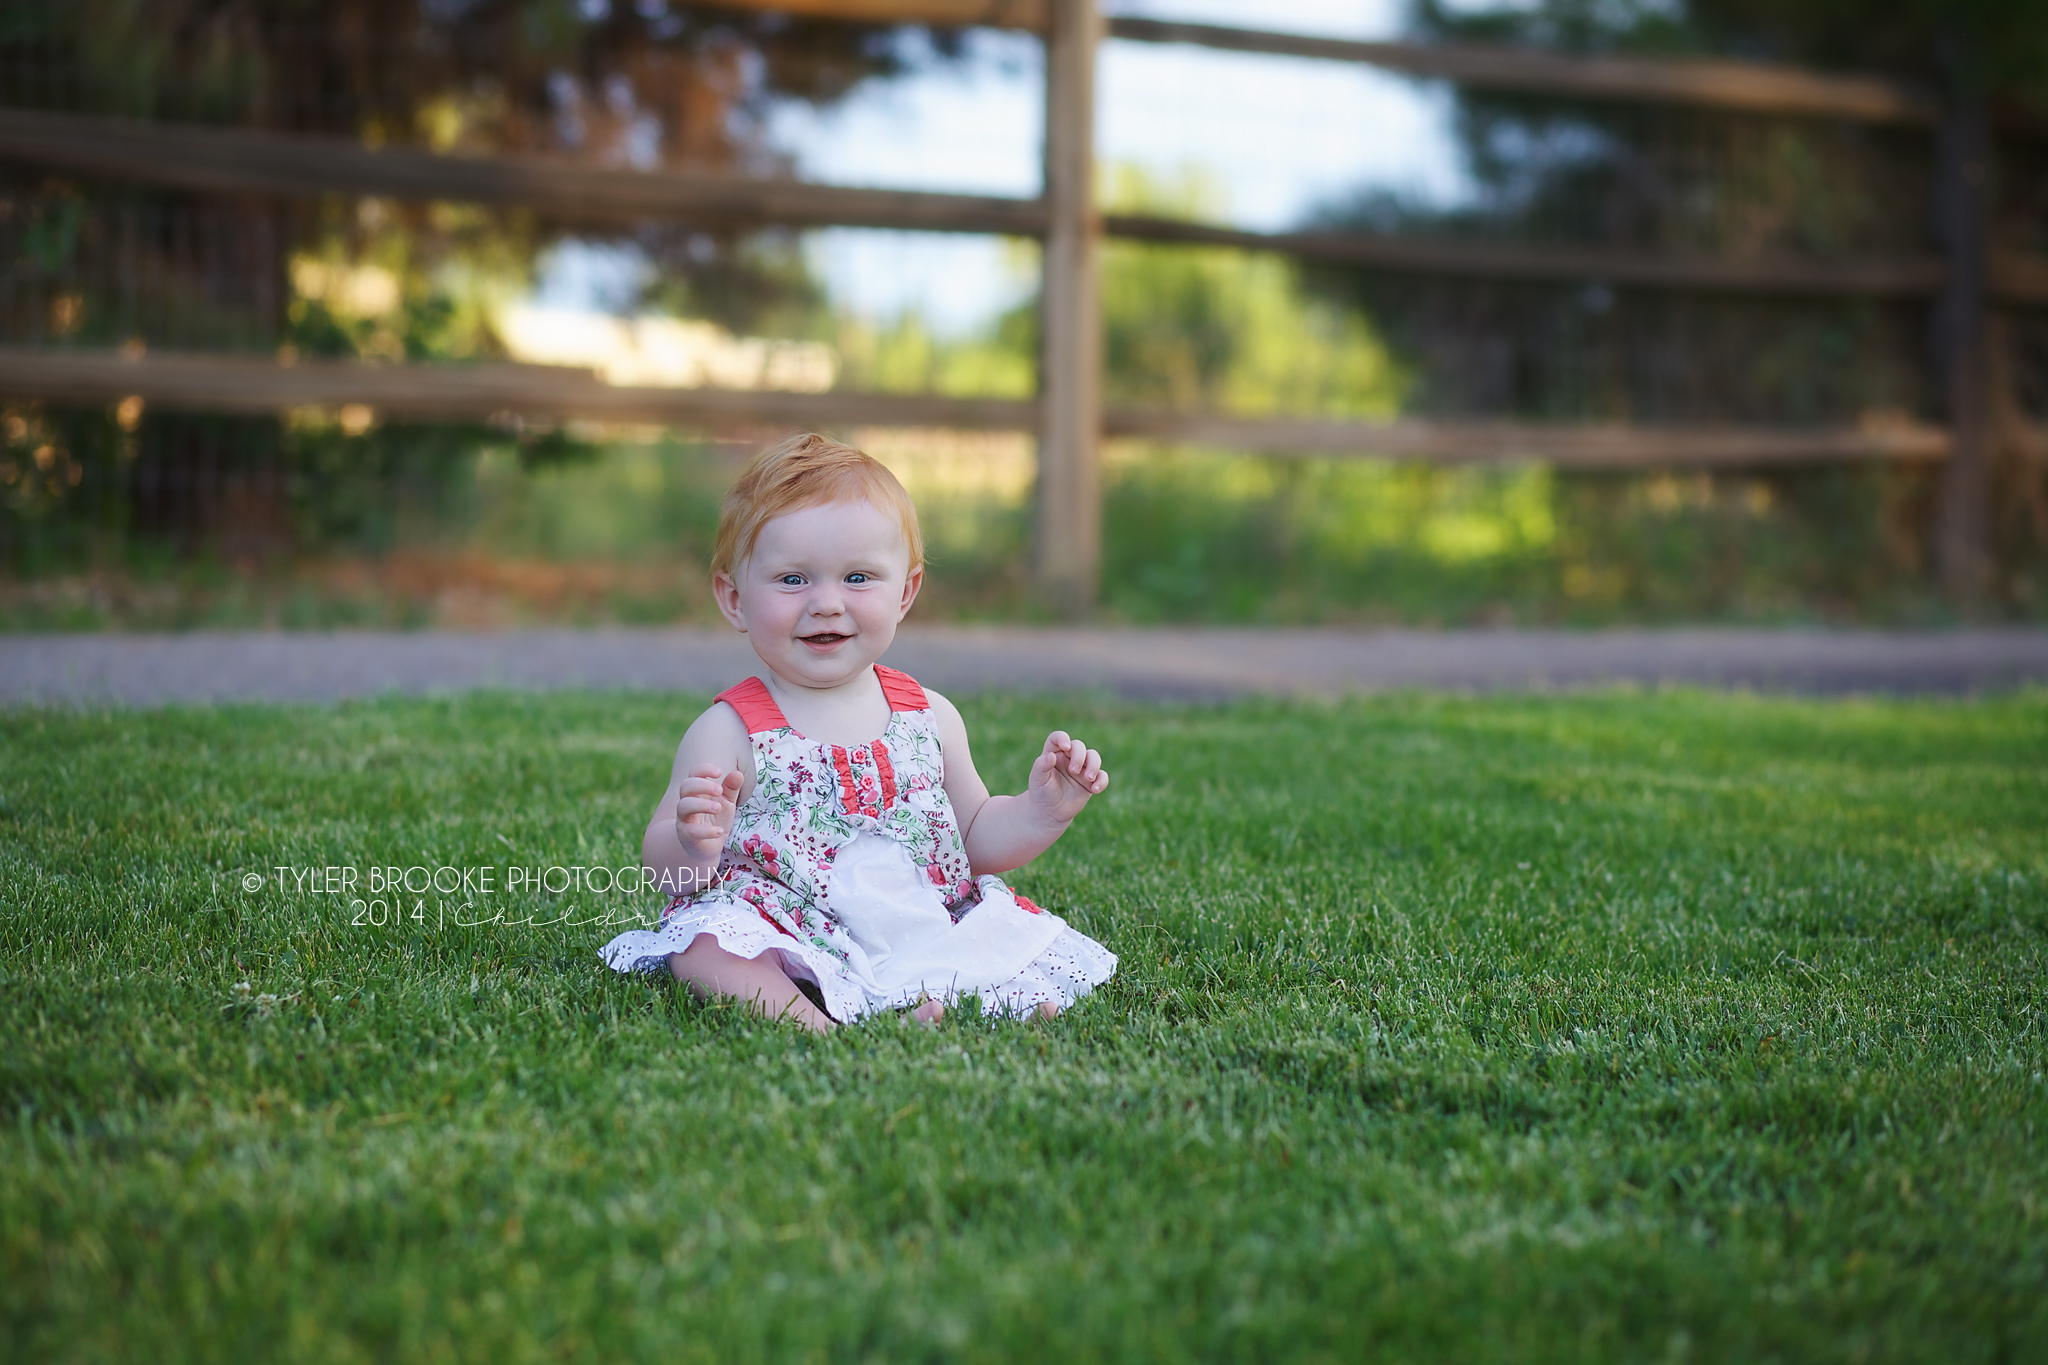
[1597,445]
[241,161]
[1030,15]
[1755,87]
[492,390]
[257,385]
[1751,87]
[246,161]
[1898,276]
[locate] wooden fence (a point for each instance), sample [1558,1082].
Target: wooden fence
[1068,415]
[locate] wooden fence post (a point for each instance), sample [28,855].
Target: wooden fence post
[1962,531]
[1069,540]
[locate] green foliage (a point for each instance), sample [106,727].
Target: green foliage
[1999,45]
[1228,330]
[1190,535]
[407,70]
[76,488]
[628,503]
[1219,537]
[406,284]
[903,356]
[1212,536]
[1616,1026]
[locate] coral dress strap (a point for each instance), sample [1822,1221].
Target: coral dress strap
[757,708]
[902,690]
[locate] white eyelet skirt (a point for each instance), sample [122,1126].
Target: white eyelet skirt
[906,947]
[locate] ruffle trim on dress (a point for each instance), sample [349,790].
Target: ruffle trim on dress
[743,934]
[1074,965]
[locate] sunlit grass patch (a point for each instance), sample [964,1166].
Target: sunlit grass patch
[1622,1025]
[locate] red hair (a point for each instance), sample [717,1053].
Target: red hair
[807,470]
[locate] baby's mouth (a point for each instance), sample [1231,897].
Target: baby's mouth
[824,638]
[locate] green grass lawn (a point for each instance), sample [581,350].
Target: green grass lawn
[1614,1026]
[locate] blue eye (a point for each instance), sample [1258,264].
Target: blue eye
[856,578]
[791,580]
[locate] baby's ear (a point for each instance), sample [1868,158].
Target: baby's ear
[912,583]
[725,591]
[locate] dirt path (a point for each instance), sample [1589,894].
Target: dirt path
[148,670]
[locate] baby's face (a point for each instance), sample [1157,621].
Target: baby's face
[821,595]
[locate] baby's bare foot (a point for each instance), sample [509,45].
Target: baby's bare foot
[930,1012]
[1048,1010]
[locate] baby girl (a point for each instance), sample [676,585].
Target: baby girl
[835,849]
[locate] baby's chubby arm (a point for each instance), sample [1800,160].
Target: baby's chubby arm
[713,773]
[1002,832]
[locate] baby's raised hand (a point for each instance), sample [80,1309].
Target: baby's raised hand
[1066,774]
[705,810]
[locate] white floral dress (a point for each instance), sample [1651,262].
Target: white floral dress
[846,861]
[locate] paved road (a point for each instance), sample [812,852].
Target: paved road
[149,670]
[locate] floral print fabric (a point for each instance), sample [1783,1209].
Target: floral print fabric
[810,799]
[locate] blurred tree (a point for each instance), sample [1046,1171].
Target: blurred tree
[1994,45]
[619,82]
[642,84]
[1729,184]
[645,82]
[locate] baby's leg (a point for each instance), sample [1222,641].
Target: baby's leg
[758,982]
